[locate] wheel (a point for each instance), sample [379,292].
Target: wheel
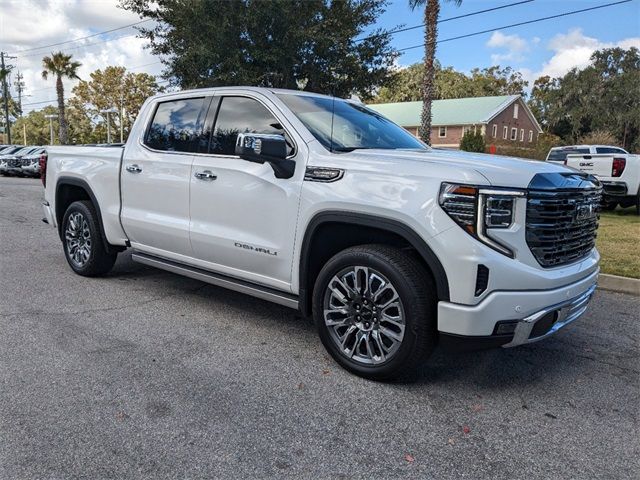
[83,246]
[375,310]
[609,206]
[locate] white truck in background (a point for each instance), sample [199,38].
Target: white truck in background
[323,205]
[617,170]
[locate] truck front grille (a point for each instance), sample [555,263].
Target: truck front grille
[562,225]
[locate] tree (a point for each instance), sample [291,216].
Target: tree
[315,45]
[431,14]
[472,142]
[406,83]
[112,87]
[60,66]
[602,96]
[36,126]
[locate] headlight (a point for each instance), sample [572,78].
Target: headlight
[480,209]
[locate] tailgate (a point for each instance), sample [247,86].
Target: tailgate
[598,165]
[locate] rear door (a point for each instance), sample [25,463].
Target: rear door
[156,176]
[243,218]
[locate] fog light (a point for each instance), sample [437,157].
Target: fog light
[504,328]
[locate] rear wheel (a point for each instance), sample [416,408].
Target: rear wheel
[83,246]
[374,307]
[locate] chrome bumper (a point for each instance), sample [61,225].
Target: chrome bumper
[566,313]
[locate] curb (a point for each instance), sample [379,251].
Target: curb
[615,283]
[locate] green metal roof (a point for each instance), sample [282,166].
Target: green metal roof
[456,111]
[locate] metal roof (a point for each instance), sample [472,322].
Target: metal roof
[455,111]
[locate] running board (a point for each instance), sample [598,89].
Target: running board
[265,293]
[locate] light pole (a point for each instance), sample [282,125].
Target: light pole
[109,111]
[51,117]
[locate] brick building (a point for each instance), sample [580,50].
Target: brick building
[503,120]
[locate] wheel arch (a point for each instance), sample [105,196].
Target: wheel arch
[72,189]
[389,231]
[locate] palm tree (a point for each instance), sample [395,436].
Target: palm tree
[61,66]
[431,14]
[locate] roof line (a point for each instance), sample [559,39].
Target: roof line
[527,110]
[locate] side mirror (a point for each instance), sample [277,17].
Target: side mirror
[266,148]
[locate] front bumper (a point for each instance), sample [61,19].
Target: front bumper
[526,309]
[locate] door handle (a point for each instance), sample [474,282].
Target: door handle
[205,175]
[134,168]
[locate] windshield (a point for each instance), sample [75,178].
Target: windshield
[342,126]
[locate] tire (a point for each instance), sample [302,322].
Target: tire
[82,242]
[364,339]
[608,206]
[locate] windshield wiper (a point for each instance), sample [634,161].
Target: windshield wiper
[350,149]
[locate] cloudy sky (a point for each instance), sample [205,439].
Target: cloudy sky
[28,27]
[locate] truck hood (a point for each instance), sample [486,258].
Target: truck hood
[498,170]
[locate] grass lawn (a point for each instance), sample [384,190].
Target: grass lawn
[619,242]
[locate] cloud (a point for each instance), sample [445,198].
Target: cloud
[514,45]
[27,24]
[574,49]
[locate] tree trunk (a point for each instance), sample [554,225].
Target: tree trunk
[431,13]
[62,121]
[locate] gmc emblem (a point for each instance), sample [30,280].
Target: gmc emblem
[586,164]
[585,212]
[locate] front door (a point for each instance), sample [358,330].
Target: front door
[243,218]
[156,177]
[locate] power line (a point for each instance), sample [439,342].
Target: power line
[82,38]
[457,17]
[85,45]
[519,24]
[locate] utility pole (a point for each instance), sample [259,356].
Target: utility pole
[20,87]
[109,111]
[5,97]
[51,117]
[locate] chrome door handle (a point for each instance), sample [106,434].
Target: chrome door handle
[134,168]
[205,175]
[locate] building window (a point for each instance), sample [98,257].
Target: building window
[522,134]
[530,136]
[442,132]
[514,134]
[494,131]
[505,132]
[515,110]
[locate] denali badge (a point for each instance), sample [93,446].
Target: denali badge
[584,212]
[256,249]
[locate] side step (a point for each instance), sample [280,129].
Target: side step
[265,293]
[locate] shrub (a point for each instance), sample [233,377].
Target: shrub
[472,142]
[598,137]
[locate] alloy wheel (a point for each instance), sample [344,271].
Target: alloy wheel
[78,238]
[364,315]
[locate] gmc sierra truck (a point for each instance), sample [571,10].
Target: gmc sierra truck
[323,205]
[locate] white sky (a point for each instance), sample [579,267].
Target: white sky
[26,24]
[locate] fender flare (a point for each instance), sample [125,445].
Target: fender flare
[381,223]
[78,182]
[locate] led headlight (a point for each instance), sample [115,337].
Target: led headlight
[479,209]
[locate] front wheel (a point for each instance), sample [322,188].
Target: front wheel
[83,246]
[374,307]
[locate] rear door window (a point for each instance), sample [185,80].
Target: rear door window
[609,150]
[176,125]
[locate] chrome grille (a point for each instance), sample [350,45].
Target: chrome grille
[562,225]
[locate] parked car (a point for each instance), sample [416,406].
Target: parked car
[559,154]
[617,170]
[12,163]
[5,154]
[323,205]
[30,163]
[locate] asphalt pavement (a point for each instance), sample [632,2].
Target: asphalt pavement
[145,374]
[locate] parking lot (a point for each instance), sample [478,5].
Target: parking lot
[145,374]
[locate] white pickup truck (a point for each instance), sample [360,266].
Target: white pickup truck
[323,205]
[617,170]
